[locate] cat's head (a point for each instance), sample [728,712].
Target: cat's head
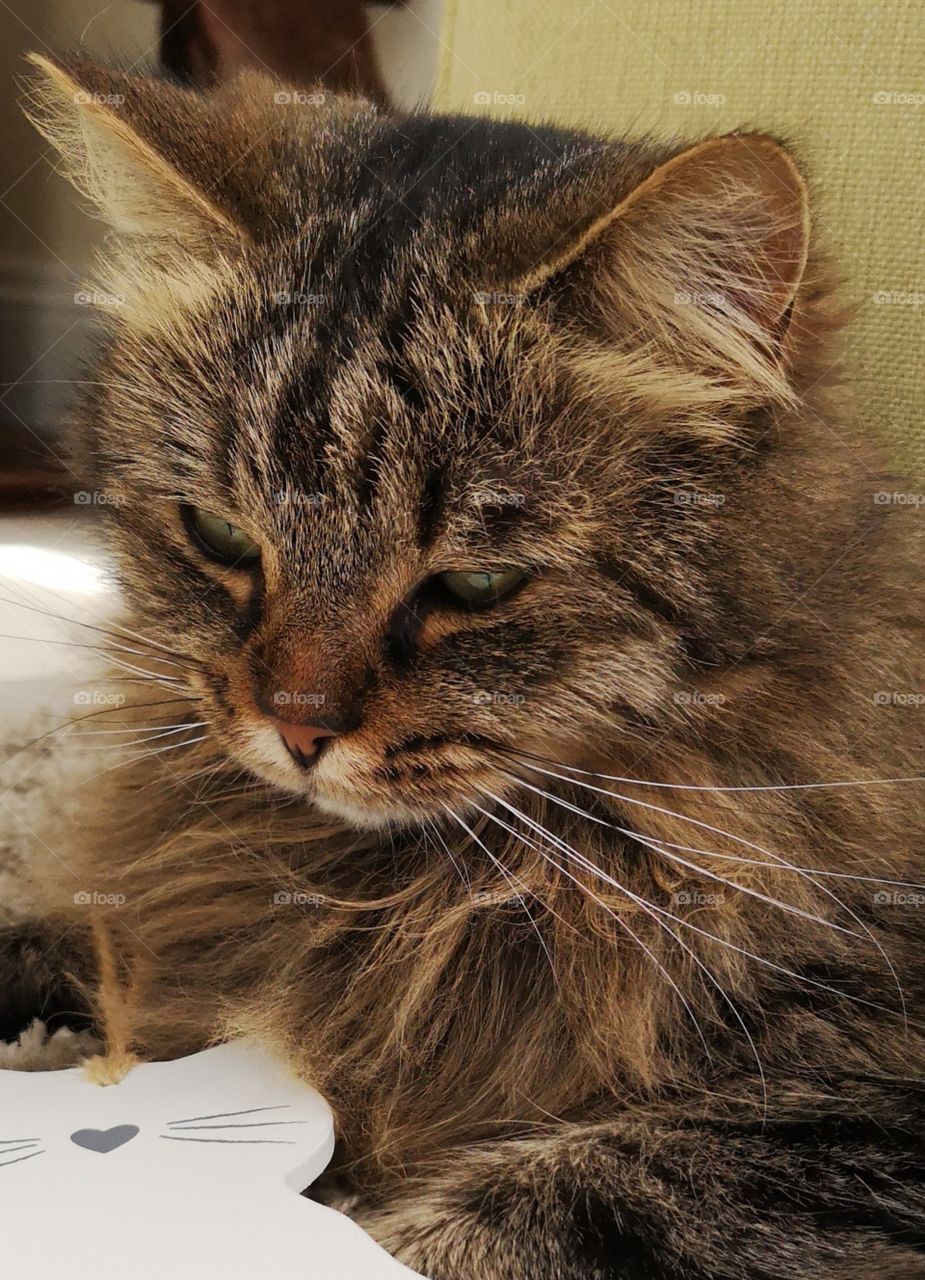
[418,436]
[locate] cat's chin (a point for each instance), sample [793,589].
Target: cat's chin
[376,814]
[374,817]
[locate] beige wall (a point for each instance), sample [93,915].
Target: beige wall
[46,239]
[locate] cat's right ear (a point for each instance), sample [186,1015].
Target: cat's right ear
[129,144]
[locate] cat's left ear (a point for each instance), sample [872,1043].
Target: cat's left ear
[704,258]
[131,145]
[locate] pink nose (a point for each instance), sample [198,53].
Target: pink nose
[301,740]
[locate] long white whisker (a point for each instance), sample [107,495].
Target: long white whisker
[145,728]
[174,681]
[108,648]
[432,827]
[143,742]
[136,759]
[618,919]
[783,786]
[649,908]
[127,633]
[770,964]
[748,844]
[693,866]
[510,878]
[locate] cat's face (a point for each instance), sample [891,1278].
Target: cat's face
[419,566]
[393,457]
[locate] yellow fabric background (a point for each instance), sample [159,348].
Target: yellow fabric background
[843,80]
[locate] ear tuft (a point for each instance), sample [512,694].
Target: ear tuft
[714,242]
[92,116]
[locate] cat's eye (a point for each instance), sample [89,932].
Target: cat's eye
[481,586]
[221,539]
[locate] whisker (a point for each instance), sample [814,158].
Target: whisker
[511,879]
[121,635]
[145,728]
[686,786]
[790,973]
[697,822]
[102,711]
[162,676]
[253,1124]
[622,923]
[147,755]
[107,649]
[223,1115]
[276,1142]
[143,742]
[693,866]
[432,827]
[19,1159]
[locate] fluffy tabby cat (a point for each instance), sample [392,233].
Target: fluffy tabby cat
[531,649]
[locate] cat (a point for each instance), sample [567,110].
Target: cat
[534,646]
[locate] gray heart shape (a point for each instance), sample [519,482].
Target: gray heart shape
[104,1140]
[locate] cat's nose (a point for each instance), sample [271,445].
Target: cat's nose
[302,741]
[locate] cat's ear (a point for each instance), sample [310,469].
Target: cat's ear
[133,147]
[705,256]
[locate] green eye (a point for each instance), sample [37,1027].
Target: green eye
[221,540]
[480,586]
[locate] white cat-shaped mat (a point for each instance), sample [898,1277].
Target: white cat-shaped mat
[184,1169]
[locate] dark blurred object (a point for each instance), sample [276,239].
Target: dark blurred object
[301,41]
[31,474]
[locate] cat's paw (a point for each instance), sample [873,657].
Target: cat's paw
[37,1049]
[36,961]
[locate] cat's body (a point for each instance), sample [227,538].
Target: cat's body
[647,1024]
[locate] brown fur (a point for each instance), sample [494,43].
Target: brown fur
[613,365]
